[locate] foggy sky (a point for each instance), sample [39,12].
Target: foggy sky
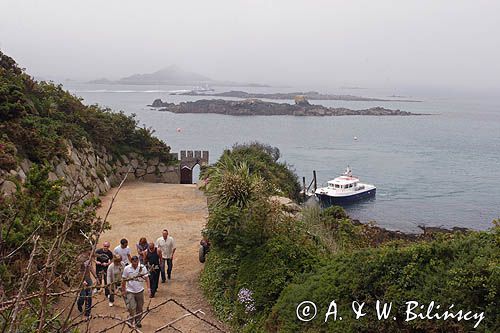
[379,43]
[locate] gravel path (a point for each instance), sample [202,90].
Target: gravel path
[144,210]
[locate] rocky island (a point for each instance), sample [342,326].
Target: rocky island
[256,107]
[310,95]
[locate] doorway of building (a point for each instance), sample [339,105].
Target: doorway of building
[186,175]
[195,173]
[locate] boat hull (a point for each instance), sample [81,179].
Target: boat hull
[328,200]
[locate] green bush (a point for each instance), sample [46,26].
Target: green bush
[262,160]
[269,268]
[463,270]
[218,281]
[37,117]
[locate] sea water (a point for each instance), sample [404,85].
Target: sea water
[441,169]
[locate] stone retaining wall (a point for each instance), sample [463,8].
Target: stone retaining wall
[94,171]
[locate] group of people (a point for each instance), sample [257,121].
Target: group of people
[119,269]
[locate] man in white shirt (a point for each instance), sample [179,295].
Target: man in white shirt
[133,278]
[124,251]
[166,244]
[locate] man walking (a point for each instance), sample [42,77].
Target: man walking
[152,260]
[114,277]
[85,297]
[124,251]
[104,256]
[133,289]
[166,244]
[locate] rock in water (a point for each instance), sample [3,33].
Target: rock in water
[158,103]
[301,100]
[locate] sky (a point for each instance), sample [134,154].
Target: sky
[384,43]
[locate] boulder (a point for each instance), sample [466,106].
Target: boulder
[91,159]
[131,176]
[61,169]
[162,167]
[301,100]
[154,161]
[26,165]
[134,163]
[102,188]
[157,103]
[108,167]
[151,169]
[140,172]
[21,175]
[75,158]
[8,187]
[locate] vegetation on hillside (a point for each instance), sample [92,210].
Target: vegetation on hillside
[43,231]
[37,117]
[261,161]
[265,262]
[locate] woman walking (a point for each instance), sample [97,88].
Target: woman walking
[142,248]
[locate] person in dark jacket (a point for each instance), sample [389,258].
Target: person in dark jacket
[104,256]
[152,260]
[85,296]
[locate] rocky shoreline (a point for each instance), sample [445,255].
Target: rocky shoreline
[255,107]
[310,95]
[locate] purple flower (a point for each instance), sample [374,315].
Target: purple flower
[245,298]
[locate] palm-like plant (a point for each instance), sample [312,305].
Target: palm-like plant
[231,183]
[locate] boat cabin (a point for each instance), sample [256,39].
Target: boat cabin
[344,183]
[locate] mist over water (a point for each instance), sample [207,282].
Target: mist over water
[437,170]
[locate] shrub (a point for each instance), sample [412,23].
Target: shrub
[37,117]
[463,270]
[262,160]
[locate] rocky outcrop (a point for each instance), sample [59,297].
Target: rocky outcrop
[301,100]
[157,103]
[93,171]
[256,107]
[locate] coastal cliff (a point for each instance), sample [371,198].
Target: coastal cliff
[256,107]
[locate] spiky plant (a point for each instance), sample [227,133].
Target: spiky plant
[231,183]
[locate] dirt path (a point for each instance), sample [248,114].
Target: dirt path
[144,210]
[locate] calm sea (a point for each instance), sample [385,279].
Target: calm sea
[437,170]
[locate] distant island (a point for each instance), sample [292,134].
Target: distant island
[175,76]
[256,107]
[310,95]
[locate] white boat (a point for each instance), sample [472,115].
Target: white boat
[344,189]
[204,88]
[195,90]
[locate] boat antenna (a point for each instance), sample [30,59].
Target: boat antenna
[348,171]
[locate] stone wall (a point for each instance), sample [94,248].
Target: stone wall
[93,171]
